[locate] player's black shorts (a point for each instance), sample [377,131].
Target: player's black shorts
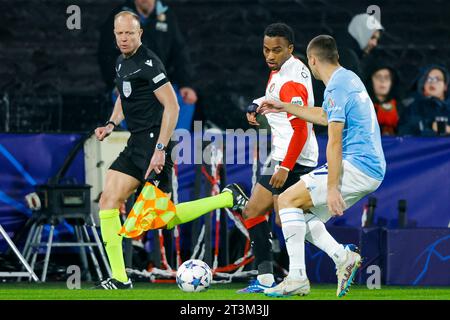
[293,176]
[135,158]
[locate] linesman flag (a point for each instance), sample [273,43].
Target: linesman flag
[152,210]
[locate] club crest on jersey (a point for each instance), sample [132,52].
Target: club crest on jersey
[272,86]
[126,88]
[297,100]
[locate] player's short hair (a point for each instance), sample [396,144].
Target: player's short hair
[325,48]
[128,13]
[280,29]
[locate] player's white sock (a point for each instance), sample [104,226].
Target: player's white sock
[294,230]
[266,279]
[318,235]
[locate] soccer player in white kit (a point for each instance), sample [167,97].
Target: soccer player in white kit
[355,165]
[294,145]
[295,153]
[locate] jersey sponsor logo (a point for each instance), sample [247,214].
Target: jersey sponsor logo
[297,100]
[272,86]
[159,77]
[126,88]
[149,63]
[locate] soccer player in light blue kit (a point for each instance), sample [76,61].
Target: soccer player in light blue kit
[355,166]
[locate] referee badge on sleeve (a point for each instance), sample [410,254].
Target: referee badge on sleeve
[158,78]
[126,88]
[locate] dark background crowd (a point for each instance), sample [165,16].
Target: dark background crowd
[58,80]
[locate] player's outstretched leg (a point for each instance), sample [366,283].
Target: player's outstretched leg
[144,214]
[232,196]
[240,199]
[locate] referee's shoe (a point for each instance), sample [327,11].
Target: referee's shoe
[113,284]
[240,199]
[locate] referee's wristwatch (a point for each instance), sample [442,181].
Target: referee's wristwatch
[161,147]
[110,122]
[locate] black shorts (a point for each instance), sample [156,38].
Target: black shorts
[293,176]
[135,158]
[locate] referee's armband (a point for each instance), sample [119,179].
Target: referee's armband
[252,108]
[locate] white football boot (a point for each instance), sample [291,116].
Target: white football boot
[289,287]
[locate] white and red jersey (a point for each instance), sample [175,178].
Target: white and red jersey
[293,139]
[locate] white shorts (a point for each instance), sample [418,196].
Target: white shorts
[354,186]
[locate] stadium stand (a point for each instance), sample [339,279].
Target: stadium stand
[51,82]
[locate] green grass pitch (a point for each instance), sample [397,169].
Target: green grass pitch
[169,291]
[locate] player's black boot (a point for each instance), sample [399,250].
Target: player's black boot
[240,199]
[113,284]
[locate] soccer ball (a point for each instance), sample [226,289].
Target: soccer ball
[194,276]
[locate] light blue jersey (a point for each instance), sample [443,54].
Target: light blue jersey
[346,100]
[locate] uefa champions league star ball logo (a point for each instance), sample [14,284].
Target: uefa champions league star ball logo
[194,276]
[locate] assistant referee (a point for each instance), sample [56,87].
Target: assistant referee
[148,103]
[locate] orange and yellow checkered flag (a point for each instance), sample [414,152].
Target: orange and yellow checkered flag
[152,210]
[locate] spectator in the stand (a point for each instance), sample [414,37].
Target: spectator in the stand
[355,44]
[382,86]
[427,111]
[359,40]
[162,35]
